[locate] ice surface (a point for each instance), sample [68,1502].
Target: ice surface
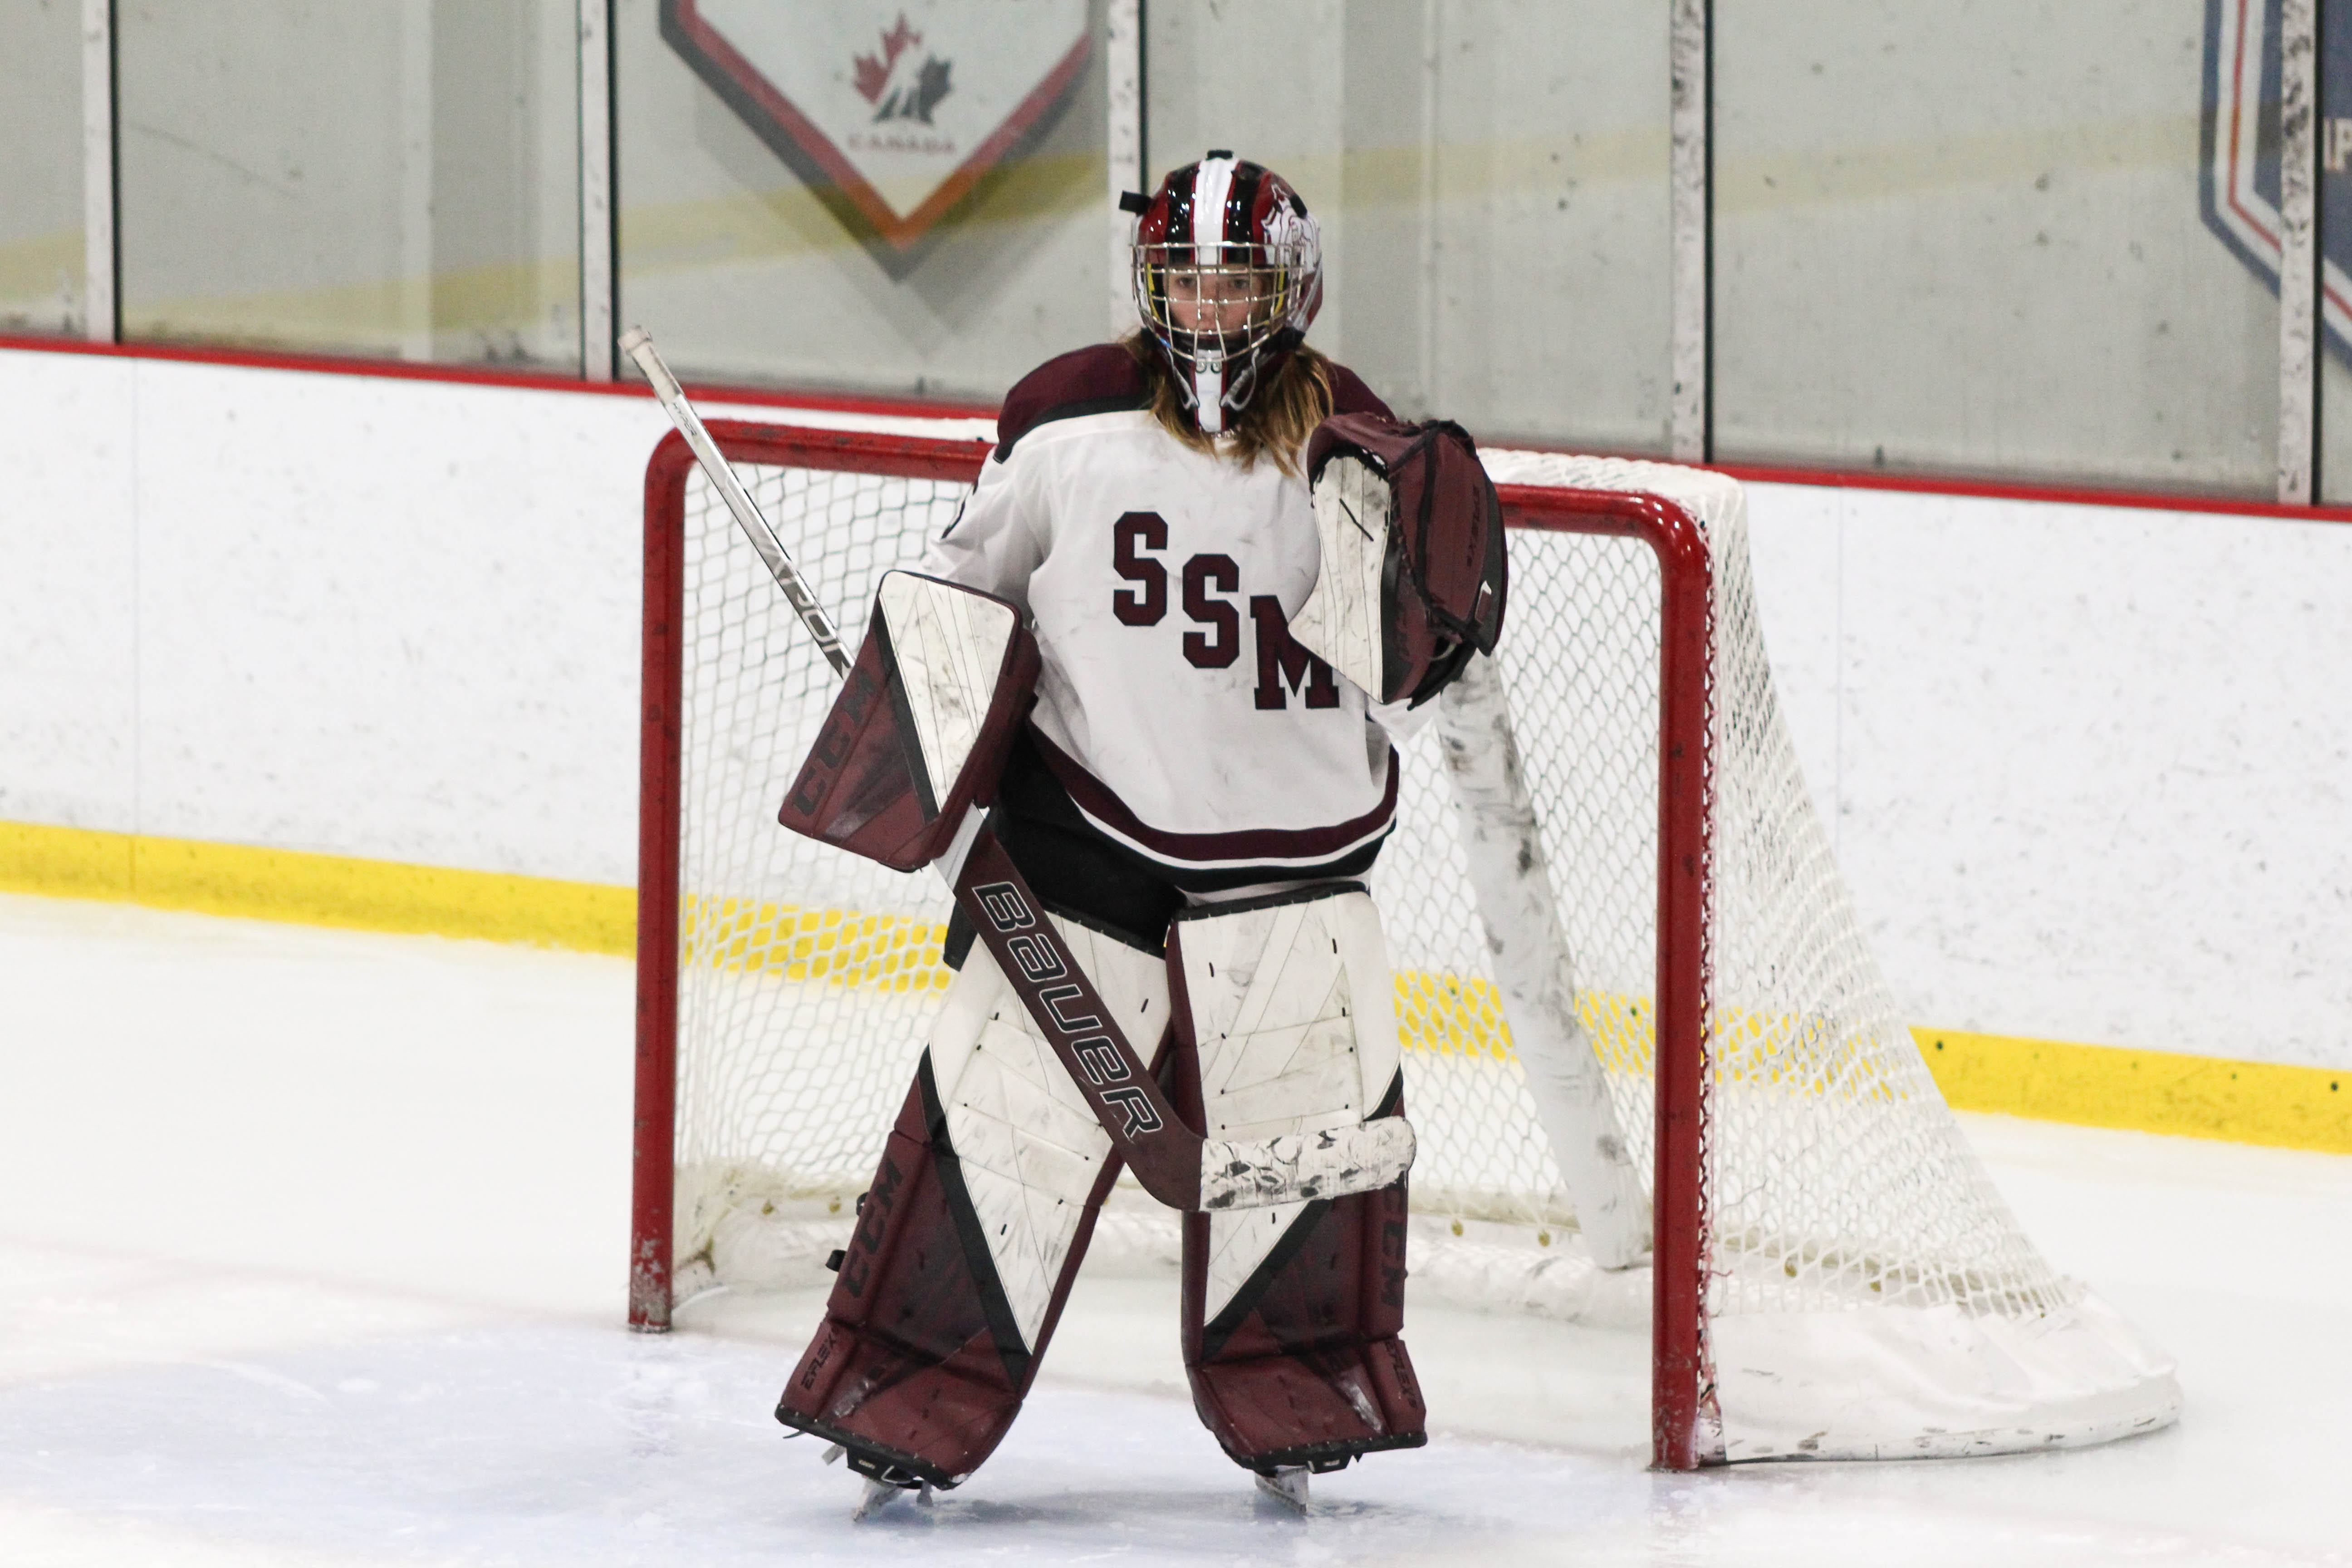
[310,1252]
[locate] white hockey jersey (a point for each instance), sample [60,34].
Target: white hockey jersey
[1173,705]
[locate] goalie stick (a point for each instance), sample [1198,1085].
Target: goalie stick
[1175,1163]
[638,345]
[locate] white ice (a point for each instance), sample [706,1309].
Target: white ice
[311,1250]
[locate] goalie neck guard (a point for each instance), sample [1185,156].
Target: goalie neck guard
[1228,274]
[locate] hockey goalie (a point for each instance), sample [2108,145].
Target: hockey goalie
[1138,707]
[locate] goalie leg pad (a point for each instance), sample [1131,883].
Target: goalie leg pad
[1028,1143]
[1307,1366]
[966,1244]
[907,1370]
[1292,1314]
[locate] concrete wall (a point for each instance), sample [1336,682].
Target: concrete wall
[2087,768]
[398,180]
[1967,237]
[1491,180]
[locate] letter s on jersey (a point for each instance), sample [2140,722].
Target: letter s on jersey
[1135,533]
[1203,576]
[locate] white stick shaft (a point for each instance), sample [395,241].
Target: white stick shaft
[1511,879]
[638,345]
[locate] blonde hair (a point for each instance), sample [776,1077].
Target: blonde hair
[1274,425]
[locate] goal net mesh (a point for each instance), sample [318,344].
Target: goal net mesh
[1837,1175]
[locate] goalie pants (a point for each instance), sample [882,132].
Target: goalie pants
[992,1180]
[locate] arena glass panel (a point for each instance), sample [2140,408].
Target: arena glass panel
[1974,240]
[386,178]
[41,263]
[910,205]
[1491,180]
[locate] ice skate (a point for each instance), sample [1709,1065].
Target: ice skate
[880,1495]
[877,1496]
[1287,1486]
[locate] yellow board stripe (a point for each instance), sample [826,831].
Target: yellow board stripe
[316,889]
[2144,1091]
[2090,1086]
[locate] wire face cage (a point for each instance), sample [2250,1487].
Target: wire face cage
[1221,311]
[1223,299]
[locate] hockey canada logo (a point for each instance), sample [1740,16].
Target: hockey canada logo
[892,112]
[2238,174]
[901,89]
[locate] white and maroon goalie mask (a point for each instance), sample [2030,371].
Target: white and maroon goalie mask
[1228,273]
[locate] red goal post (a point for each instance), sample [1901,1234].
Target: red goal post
[1681,1379]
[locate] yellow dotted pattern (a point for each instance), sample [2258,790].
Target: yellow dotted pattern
[889,953]
[1451,1015]
[1458,1016]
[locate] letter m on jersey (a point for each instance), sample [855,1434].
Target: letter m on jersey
[1283,666]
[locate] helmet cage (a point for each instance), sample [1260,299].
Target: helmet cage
[1222,313]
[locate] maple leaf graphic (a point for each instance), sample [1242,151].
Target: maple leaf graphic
[873,75]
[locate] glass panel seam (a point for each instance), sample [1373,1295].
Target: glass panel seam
[101,261]
[1690,437]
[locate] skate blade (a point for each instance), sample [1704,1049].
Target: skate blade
[880,1494]
[1287,1486]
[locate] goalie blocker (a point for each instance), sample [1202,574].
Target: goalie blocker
[1030,1095]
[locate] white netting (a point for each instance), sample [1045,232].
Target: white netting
[806,976]
[1838,1174]
[1839,1180]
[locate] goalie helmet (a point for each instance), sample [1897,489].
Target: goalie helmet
[1228,273]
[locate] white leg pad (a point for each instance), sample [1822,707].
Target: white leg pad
[1293,1012]
[1026,1142]
[1240,1240]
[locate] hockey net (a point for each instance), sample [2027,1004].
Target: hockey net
[1835,1275]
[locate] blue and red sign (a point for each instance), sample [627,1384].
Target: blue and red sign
[2238,180]
[892,111]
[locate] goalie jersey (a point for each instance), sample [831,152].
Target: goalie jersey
[1173,707]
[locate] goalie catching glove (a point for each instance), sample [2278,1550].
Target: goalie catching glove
[1414,577]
